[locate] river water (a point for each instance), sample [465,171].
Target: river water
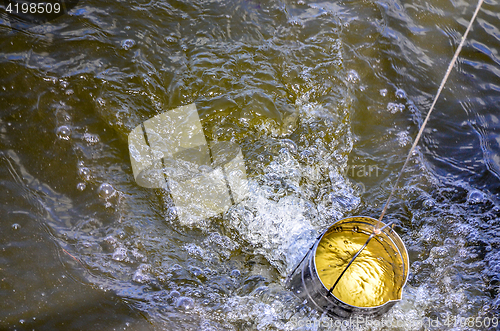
[324,99]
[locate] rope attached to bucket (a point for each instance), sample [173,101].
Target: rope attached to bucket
[376,230]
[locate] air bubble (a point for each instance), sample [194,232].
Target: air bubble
[91,138]
[352,77]
[106,191]
[84,173]
[429,204]
[110,240]
[128,44]
[120,254]
[290,145]
[141,275]
[205,169]
[439,252]
[395,107]
[16,226]
[172,213]
[475,197]
[63,132]
[81,186]
[383,92]
[235,273]
[400,94]
[197,272]
[184,303]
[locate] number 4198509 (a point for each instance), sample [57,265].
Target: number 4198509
[33,8]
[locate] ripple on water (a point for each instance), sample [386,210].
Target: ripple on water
[296,139]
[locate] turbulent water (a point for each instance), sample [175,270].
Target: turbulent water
[324,99]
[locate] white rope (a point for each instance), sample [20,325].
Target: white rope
[443,82]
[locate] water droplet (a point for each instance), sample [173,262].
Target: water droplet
[128,44]
[63,132]
[81,186]
[106,191]
[184,303]
[16,226]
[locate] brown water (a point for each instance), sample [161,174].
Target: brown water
[315,93]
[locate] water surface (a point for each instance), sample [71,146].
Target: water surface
[315,93]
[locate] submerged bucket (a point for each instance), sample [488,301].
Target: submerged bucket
[371,285]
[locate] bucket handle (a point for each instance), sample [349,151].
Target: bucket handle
[297,266]
[372,235]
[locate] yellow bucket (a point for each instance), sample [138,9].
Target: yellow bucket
[371,285]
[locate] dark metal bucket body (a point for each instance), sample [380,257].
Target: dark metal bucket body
[306,284]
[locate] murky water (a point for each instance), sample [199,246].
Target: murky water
[324,99]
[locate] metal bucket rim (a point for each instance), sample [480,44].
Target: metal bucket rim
[315,269]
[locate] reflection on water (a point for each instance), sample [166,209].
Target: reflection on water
[307,90]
